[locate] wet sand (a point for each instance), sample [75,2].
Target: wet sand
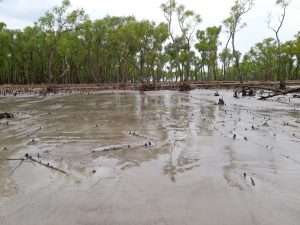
[191,170]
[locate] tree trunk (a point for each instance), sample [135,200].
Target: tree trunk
[237,61]
[50,76]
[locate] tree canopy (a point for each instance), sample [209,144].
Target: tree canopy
[65,46]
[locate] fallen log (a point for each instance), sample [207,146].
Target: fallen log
[294,90]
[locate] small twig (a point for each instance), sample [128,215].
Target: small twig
[21,159]
[21,162]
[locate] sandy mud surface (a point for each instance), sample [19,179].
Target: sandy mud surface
[134,158]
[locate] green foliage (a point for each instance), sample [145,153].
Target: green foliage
[233,25]
[208,42]
[65,46]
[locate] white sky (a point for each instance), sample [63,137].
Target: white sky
[21,13]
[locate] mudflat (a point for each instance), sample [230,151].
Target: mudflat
[163,157]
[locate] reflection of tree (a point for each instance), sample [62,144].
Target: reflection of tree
[170,169]
[183,163]
[184,119]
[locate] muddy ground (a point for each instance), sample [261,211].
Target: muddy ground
[150,158]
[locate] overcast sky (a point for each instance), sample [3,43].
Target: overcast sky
[22,13]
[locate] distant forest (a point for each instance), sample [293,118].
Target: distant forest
[65,46]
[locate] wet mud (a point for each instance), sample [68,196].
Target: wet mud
[163,157]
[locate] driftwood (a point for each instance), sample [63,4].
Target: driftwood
[147,142]
[111,148]
[29,158]
[294,90]
[124,146]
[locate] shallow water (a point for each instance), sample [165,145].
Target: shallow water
[192,173]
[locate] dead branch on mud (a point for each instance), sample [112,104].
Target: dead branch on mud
[247,90]
[148,142]
[46,165]
[20,159]
[134,133]
[29,158]
[294,90]
[258,88]
[123,146]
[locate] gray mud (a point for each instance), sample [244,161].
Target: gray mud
[150,158]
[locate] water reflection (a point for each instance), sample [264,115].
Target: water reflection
[186,157]
[69,127]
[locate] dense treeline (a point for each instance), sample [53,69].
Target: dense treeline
[65,46]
